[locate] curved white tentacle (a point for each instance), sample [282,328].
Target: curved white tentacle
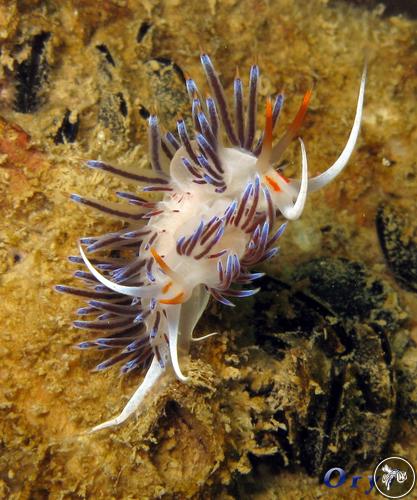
[173,317]
[132,291]
[152,375]
[293,212]
[190,314]
[328,175]
[204,337]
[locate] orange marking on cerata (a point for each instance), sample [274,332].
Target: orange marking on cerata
[178,299]
[292,130]
[268,123]
[167,287]
[274,185]
[160,261]
[299,117]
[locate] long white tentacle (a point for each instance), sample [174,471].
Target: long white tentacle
[204,337]
[327,176]
[152,375]
[173,317]
[293,212]
[132,291]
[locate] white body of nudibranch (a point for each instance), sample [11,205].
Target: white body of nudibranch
[221,196]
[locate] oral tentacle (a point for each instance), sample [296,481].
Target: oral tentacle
[328,175]
[293,212]
[152,376]
[173,318]
[132,291]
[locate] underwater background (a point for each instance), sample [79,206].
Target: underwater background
[316,371]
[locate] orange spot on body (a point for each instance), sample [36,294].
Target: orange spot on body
[178,299]
[274,185]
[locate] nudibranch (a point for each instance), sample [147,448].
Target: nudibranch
[223,206]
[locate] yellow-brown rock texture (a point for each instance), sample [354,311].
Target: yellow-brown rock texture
[77,79]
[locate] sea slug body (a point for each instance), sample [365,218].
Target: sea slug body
[222,198]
